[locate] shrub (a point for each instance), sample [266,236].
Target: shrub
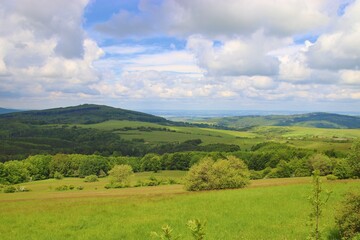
[10,189]
[348,217]
[121,174]
[222,174]
[62,188]
[331,177]
[80,188]
[254,175]
[91,178]
[22,189]
[342,169]
[58,176]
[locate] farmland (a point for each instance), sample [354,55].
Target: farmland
[278,207]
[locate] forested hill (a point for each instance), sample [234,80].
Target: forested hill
[6,110]
[82,114]
[318,120]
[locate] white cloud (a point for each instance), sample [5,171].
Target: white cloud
[211,18]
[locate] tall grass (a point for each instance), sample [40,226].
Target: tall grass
[277,212]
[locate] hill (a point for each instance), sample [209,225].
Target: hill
[82,114]
[317,120]
[7,110]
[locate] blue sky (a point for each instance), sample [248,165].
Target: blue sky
[181,54]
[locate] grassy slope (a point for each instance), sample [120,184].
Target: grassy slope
[319,120]
[269,209]
[314,138]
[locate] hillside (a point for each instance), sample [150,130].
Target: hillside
[82,114]
[317,120]
[7,110]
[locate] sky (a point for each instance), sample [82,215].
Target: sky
[181,54]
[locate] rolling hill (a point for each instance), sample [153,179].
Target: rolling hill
[82,114]
[7,110]
[317,120]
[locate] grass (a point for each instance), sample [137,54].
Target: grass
[268,209]
[302,137]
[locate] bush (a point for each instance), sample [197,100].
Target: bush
[10,189]
[22,189]
[348,217]
[222,174]
[58,176]
[331,177]
[62,188]
[91,178]
[121,174]
[80,188]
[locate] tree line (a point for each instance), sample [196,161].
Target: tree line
[269,160]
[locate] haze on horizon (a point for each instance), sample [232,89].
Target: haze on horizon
[298,55]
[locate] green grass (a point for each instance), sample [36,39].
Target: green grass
[268,209]
[303,137]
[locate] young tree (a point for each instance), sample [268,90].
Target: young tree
[121,174]
[317,201]
[222,174]
[354,158]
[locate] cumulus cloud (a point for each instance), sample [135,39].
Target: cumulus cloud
[211,18]
[44,48]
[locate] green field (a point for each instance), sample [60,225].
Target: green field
[267,209]
[303,137]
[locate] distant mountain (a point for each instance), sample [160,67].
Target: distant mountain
[7,110]
[318,120]
[82,114]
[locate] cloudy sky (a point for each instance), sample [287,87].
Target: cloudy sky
[181,54]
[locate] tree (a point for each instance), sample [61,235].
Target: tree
[317,202]
[121,174]
[39,166]
[354,158]
[322,163]
[151,162]
[16,172]
[348,217]
[342,169]
[93,165]
[222,174]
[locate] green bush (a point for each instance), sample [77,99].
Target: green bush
[348,217]
[80,188]
[58,176]
[91,178]
[62,188]
[9,189]
[225,173]
[331,177]
[121,174]
[116,185]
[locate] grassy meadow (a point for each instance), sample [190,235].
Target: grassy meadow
[267,209]
[302,137]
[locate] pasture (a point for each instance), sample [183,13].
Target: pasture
[302,137]
[267,209]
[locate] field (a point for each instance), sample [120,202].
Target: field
[278,207]
[303,137]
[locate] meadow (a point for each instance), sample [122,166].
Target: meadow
[267,209]
[302,137]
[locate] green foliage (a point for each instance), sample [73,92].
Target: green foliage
[342,169]
[222,174]
[58,176]
[331,177]
[15,172]
[354,158]
[317,202]
[322,163]
[93,165]
[39,166]
[9,189]
[166,234]
[91,178]
[121,174]
[348,216]
[151,162]
[197,229]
